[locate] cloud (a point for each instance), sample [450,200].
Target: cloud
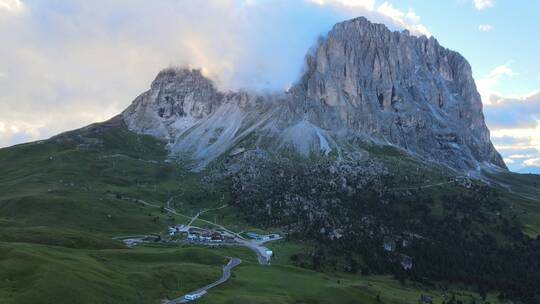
[519,151]
[385,13]
[520,156]
[513,112]
[483,4]
[11,6]
[525,139]
[514,121]
[502,70]
[508,161]
[16,132]
[488,84]
[532,162]
[407,20]
[485,27]
[365,4]
[515,129]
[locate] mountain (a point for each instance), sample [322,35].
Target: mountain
[362,82]
[361,166]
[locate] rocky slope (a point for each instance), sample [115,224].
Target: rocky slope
[363,82]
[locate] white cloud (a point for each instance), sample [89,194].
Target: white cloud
[508,161]
[532,162]
[485,27]
[366,4]
[407,20]
[411,15]
[14,131]
[388,10]
[483,4]
[515,128]
[11,6]
[487,85]
[385,12]
[518,156]
[514,121]
[503,70]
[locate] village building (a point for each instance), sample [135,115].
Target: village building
[259,237]
[204,235]
[216,237]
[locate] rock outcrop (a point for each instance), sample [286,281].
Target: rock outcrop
[363,81]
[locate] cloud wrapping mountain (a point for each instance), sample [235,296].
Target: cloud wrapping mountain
[363,82]
[70,63]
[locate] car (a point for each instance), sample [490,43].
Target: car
[194,296]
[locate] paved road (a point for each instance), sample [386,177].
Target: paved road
[233,262]
[259,249]
[256,246]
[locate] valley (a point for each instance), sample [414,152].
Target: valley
[80,200]
[371,179]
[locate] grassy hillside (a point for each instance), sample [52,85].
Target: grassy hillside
[285,283]
[51,274]
[94,180]
[522,191]
[62,200]
[35,273]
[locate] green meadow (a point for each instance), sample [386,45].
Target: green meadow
[63,200]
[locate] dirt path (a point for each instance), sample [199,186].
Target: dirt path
[424,186]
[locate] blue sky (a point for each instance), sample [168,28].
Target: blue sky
[511,39]
[65,64]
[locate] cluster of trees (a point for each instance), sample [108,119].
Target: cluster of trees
[452,234]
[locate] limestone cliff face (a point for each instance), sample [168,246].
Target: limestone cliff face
[362,81]
[399,89]
[177,99]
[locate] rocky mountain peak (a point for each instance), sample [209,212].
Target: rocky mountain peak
[400,89]
[176,77]
[177,98]
[362,81]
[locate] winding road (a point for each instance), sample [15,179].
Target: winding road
[257,246]
[233,262]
